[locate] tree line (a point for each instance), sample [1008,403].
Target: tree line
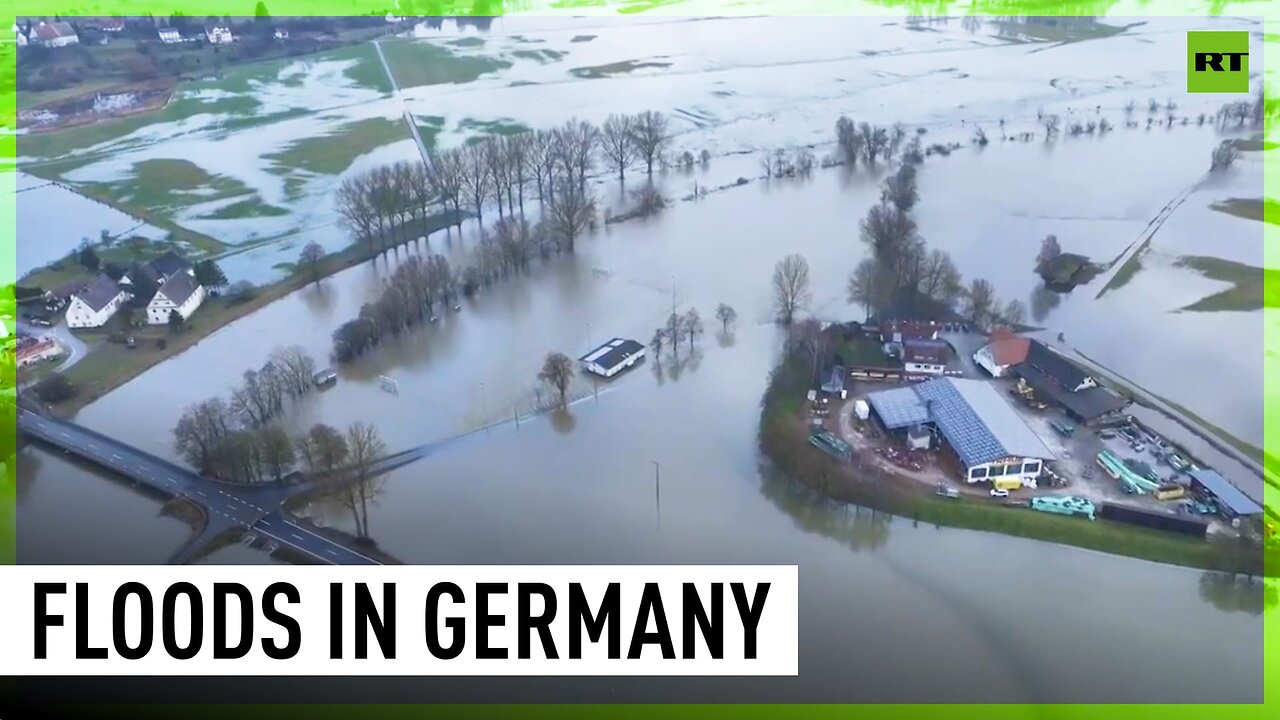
[410,296]
[238,440]
[395,204]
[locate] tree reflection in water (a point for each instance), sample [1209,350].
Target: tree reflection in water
[1237,593]
[858,527]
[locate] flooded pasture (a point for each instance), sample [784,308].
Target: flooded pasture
[890,610]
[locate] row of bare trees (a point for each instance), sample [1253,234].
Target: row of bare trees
[237,440]
[901,270]
[678,328]
[395,204]
[864,141]
[408,297]
[347,462]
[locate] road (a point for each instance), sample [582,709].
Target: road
[408,116]
[254,508]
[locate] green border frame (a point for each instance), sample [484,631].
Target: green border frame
[1268,11]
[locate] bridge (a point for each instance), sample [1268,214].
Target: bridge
[257,510]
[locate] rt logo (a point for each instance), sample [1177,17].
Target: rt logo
[1218,62]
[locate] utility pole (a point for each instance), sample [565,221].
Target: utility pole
[657,490]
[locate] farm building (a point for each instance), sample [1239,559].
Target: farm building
[1054,378]
[1002,352]
[924,356]
[95,304]
[986,435]
[612,357]
[1233,503]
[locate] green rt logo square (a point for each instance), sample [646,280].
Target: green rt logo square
[1218,62]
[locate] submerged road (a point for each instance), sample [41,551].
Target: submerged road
[226,506]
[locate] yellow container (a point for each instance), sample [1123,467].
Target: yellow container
[1006,483]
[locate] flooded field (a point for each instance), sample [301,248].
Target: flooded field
[884,601]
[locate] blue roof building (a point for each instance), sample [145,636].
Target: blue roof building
[986,434]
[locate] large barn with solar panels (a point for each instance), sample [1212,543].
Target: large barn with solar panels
[986,435]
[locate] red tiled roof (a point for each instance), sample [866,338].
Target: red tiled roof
[1009,350]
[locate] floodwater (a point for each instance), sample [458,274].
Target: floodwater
[890,611]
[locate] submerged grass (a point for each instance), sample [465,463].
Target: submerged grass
[1253,288]
[596,72]
[416,63]
[332,153]
[1260,209]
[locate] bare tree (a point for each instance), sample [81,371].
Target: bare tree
[362,485]
[1049,250]
[980,301]
[692,323]
[1051,124]
[900,188]
[870,285]
[571,213]
[355,211]
[848,141]
[573,149]
[1224,156]
[675,331]
[649,135]
[323,449]
[726,315]
[791,287]
[311,256]
[1014,313]
[615,143]
[296,368]
[475,177]
[557,371]
[939,278]
[276,450]
[659,337]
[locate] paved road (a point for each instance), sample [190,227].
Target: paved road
[257,508]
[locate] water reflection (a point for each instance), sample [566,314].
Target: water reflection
[563,420]
[1043,301]
[1236,593]
[857,527]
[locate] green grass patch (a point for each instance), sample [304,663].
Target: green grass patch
[1254,144]
[865,351]
[367,72]
[1068,270]
[253,207]
[1057,29]
[582,38]
[542,56]
[1253,288]
[596,72]
[1260,209]
[501,126]
[429,127]
[466,42]
[123,252]
[169,184]
[333,153]
[1126,271]
[415,64]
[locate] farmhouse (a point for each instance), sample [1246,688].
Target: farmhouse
[169,36]
[985,435]
[1002,352]
[32,350]
[94,305]
[219,35]
[924,356]
[179,293]
[1054,378]
[897,331]
[55,35]
[612,357]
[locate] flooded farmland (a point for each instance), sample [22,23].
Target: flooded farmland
[885,602]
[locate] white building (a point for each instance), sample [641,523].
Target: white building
[30,353]
[612,357]
[94,305]
[281,34]
[169,36]
[55,35]
[927,357]
[1003,352]
[219,35]
[181,293]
